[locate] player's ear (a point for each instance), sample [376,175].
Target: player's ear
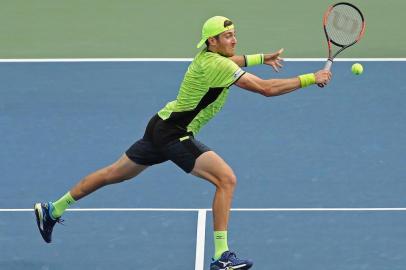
[212,41]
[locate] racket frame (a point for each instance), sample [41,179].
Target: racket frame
[331,57]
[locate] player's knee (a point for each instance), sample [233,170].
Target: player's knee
[228,181]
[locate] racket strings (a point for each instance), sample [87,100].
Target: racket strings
[344,25]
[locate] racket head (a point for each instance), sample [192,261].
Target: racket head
[344,25]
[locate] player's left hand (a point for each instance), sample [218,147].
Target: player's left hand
[274,60]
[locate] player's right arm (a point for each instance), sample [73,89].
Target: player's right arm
[276,87]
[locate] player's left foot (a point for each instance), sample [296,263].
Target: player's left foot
[45,221]
[229,261]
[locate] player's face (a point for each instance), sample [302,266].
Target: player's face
[226,43]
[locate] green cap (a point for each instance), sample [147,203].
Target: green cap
[214,26]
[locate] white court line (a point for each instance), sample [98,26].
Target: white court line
[111,210]
[45,60]
[318,209]
[48,60]
[200,239]
[348,209]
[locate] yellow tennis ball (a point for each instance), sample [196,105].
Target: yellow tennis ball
[357,69]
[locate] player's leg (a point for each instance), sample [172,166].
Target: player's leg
[48,214]
[138,157]
[213,168]
[196,158]
[121,170]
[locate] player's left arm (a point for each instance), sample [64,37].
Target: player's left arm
[276,87]
[272,59]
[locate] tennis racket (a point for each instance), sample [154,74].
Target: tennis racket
[344,25]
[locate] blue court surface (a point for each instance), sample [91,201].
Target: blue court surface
[321,172]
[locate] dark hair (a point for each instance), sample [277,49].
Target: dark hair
[207,40]
[226,24]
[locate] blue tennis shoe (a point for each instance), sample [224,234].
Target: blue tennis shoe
[229,261]
[45,221]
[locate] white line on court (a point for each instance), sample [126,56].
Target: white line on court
[49,60]
[347,209]
[318,209]
[200,239]
[112,210]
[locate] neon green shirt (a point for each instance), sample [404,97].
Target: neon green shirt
[203,91]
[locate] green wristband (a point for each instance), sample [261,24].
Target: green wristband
[307,79]
[254,59]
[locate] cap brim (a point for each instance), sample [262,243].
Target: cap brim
[200,44]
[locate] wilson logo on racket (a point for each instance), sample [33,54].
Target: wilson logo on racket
[342,22]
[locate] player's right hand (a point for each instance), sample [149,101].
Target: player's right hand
[323,77]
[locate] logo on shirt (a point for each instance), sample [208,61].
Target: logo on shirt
[238,73]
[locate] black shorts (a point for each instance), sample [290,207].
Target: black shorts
[163,141]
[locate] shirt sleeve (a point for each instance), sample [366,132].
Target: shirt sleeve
[223,72]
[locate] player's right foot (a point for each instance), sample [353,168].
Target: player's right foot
[45,221]
[229,261]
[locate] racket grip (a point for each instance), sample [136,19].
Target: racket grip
[327,66]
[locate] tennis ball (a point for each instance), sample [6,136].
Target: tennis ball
[357,69]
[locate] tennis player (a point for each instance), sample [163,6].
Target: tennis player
[170,134]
